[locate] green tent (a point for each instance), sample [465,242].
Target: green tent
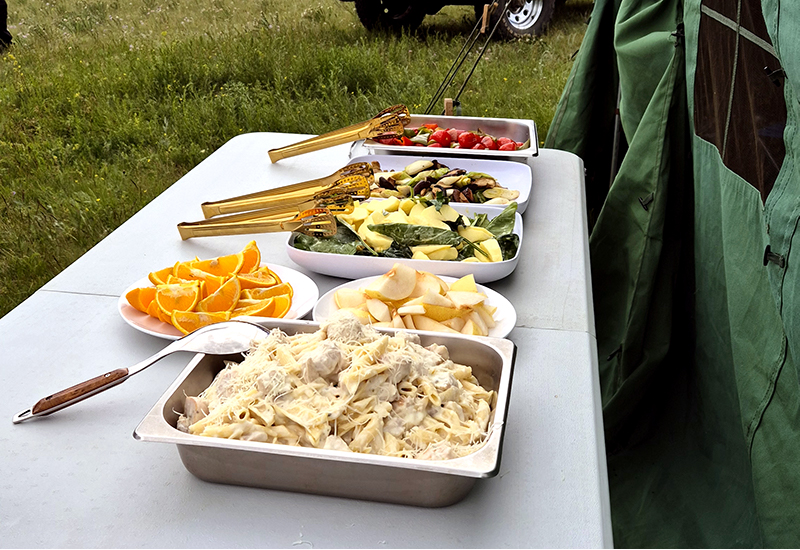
[686,116]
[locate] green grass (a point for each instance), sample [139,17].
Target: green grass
[104,104]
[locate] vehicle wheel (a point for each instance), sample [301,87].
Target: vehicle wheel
[522,18]
[391,15]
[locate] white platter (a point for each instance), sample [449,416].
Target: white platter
[305,296]
[512,175]
[354,267]
[505,316]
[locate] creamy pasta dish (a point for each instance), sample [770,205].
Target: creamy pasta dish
[347,387]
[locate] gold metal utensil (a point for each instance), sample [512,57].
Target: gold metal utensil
[319,222]
[388,123]
[297,192]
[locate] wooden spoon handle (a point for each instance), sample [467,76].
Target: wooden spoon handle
[79,392]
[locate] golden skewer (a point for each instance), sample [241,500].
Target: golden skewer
[297,192]
[388,123]
[319,222]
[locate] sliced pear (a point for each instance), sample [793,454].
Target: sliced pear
[436,299]
[397,322]
[443,313]
[486,316]
[379,310]
[424,323]
[477,320]
[411,310]
[472,329]
[465,284]
[456,323]
[465,299]
[408,321]
[382,324]
[396,284]
[349,298]
[426,281]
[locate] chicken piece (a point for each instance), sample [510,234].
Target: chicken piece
[194,409]
[325,361]
[344,327]
[439,350]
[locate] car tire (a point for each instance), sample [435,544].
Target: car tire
[391,15]
[523,18]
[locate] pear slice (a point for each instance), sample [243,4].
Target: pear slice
[466,299]
[411,310]
[465,284]
[397,322]
[408,321]
[379,310]
[456,323]
[425,282]
[472,329]
[396,284]
[424,323]
[486,316]
[436,299]
[348,298]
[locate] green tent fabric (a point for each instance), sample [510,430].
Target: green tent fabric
[697,320]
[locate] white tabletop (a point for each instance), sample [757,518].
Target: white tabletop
[78,478]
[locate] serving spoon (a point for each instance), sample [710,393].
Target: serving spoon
[222,338]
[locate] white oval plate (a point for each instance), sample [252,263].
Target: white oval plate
[505,317]
[509,174]
[305,296]
[353,267]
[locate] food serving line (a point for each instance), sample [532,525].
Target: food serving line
[79,478]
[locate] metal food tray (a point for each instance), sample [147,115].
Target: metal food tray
[338,473]
[520,130]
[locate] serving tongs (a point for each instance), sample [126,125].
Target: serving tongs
[388,123]
[318,222]
[296,193]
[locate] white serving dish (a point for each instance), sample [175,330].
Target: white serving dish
[512,175]
[305,296]
[520,130]
[356,267]
[505,317]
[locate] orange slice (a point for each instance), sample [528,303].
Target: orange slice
[224,299]
[160,277]
[260,308]
[213,282]
[154,311]
[260,278]
[252,257]
[264,293]
[188,321]
[223,265]
[140,298]
[177,297]
[282,306]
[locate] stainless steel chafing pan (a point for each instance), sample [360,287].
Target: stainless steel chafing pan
[319,471]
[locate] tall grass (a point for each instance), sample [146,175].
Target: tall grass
[105,103]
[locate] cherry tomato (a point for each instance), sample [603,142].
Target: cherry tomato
[511,146]
[504,140]
[468,140]
[435,144]
[479,146]
[454,134]
[489,142]
[442,137]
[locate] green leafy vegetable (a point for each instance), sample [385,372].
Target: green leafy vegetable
[509,244]
[503,223]
[417,235]
[343,242]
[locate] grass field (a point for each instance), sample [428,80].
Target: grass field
[105,103]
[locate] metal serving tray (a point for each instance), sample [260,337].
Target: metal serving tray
[520,130]
[338,473]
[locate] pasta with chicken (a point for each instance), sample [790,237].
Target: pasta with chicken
[347,387]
